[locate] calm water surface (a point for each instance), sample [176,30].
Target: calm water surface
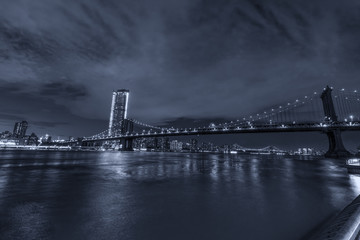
[114,195]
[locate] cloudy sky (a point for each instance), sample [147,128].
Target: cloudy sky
[196,59]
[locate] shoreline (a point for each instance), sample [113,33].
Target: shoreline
[343,226]
[94,149]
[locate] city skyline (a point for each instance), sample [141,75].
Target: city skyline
[346,108]
[19,140]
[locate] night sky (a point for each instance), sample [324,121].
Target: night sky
[188,59]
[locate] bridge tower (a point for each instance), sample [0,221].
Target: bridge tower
[118,113]
[127,143]
[119,124]
[336,145]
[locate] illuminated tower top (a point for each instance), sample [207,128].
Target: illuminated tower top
[118,114]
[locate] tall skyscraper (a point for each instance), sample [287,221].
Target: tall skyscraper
[118,114]
[20,129]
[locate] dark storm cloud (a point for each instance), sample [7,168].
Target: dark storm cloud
[42,106]
[181,59]
[63,89]
[24,43]
[10,117]
[45,124]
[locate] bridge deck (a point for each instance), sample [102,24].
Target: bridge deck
[234,130]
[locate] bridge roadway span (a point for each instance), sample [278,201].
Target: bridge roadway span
[304,127]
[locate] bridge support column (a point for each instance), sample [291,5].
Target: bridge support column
[336,146]
[127,144]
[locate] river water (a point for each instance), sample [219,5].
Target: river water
[140,195]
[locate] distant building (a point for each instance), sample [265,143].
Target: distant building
[20,129]
[166,144]
[46,139]
[193,145]
[207,147]
[118,113]
[32,140]
[150,143]
[305,151]
[175,145]
[5,135]
[235,147]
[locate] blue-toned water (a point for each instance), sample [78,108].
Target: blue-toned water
[117,195]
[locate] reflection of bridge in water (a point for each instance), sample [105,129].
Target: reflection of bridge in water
[322,113]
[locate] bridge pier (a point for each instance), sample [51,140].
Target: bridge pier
[127,144]
[336,145]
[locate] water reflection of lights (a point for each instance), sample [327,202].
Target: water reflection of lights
[355,183]
[255,170]
[353,161]
[3,182]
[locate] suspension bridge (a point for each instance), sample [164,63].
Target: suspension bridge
[330,112]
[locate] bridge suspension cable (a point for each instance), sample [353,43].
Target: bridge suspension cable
[307,108]
[145,124]
[347,105]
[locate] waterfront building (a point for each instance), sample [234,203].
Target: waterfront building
[118,113]
[166,142]
[150,143]
[5,135]
[46,139]
[193,145]
[20,129]
[175,145]
[305,151]
[160,144]
[32,139]
[208,147]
